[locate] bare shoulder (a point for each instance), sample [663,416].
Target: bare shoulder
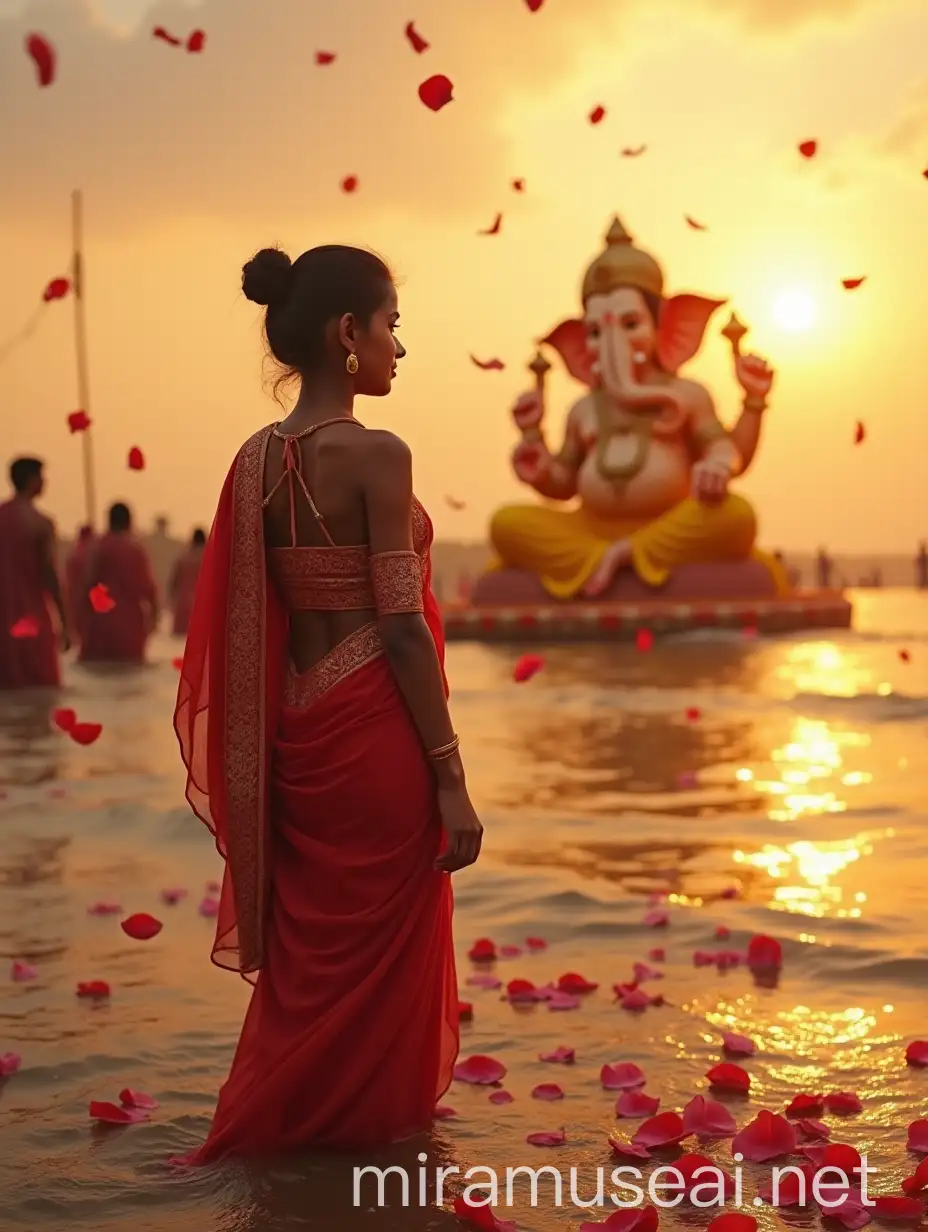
[697,397]
[385,450]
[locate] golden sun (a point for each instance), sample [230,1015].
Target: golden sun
[795,310]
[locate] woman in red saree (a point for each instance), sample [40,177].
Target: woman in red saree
[313,721]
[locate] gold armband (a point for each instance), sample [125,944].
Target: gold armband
[396,579]
[755,402]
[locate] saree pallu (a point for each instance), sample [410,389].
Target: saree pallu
[323,804]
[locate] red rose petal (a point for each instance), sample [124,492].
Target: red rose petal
[22,972]
[812,1130]
[481,1217]
[510,951]
[104,909]
[518,186]
[562,1055]
[860,433]
[641,972]
[851,284]
[85,733]
[708,1119]
[842,1103]
[644,640]
[165,36]
[729,1077]
[349,184]
[688,1165]
[443,1112]
[141,927]
[495,227]
[629,1150]
[197,41]
[693,714]
[56,289]
[658,954]
[806,1106]
[136,459]
[436,92]
[663,1130]
[658,918]
[905,656]
[43,56]
[325,57]
[64,720]
[136,1099]
[888,1206]
[10,1062]
[465,1011]
[764,953]
[480,1070]
[488,365]
[918,1181]
[635,1000]
[574,983]
[416,41]
[791,1189]
[550,1137]
[93,988]
[722,932]
[100,599]
[173,896]
[634,151]
[917,1053]
[112,1114]
[523,990]
[918,1137]
[766,1137]
[501,1097]
[636,1104]
[625,1076]
[78,421]
[528,665]
[548,1090]
[807,148]
[841,1155]
[697,226]
[738,1045]
[597,115]
[483,950]
[24,628]
[533,5]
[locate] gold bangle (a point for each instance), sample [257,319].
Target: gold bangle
[755,402]
[445,750]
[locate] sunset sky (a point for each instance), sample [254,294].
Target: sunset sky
[190,163]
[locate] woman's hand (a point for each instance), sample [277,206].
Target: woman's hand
[462,826]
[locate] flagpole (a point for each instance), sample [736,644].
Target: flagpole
[80,344]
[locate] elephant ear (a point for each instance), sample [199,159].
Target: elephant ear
[569,340]
[681,328]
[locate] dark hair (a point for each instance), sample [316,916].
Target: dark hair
[119,517]
[198,538]
[302,296]
[23,471]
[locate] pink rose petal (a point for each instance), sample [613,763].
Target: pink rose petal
[443,1112]
[563,1001]
[501,1097]
[209,907]
[172,897]
[510,951]
[658,954]
[550,1137]
[481,1070]
[641,972]
[9,1063]
[658,918]
[622,1077]
[22,972]
[738,1045]
[104,909]
[547,1090]
[484,981]
[635,1104]
[136,1099]
[708,1119]
[536,943]
[562,1055]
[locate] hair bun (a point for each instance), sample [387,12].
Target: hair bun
[267,277]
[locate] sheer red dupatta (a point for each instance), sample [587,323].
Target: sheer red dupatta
[228,703]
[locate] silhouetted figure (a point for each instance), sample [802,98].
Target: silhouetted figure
[28,584]
[119,562]
[824,566]
[921,566]
[183,584]
[75,577]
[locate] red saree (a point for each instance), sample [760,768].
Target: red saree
[321,800]
[28,639]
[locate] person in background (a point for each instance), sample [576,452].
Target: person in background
[75,577]
[28,584]
[183,584]
[921,567]
[824,567]
[120,563]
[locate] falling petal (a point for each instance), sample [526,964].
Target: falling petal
[597,115]
[534,5]
[141,927]
[22,972]
[693,714]
[634,151]
[851,284]
[764,953]
[465,1011]
[495,227]
[480,1070]
[518,186]
[64,720]
[56,289]
[808,148]
[85,733]
[349,184]
[488,365]
[644,640]
[43,56]
[436,92]
[527,666]
[697,226]
[197,41]
[454,503]
[24,628]
[136,459]
[860,433]
[178,664]
[416,41]
[100,600]
[905,656]
[165,36]
[78,421]
[325,57]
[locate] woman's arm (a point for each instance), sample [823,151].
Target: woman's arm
[407,640]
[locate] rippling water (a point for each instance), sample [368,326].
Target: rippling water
[801,788]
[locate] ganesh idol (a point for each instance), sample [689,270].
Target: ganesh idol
[645,459]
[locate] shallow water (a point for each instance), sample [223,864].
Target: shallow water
[801,787]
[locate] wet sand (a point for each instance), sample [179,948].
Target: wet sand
[800,789]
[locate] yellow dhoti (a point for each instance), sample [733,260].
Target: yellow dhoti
[563,547]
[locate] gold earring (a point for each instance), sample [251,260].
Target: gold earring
[351,364]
